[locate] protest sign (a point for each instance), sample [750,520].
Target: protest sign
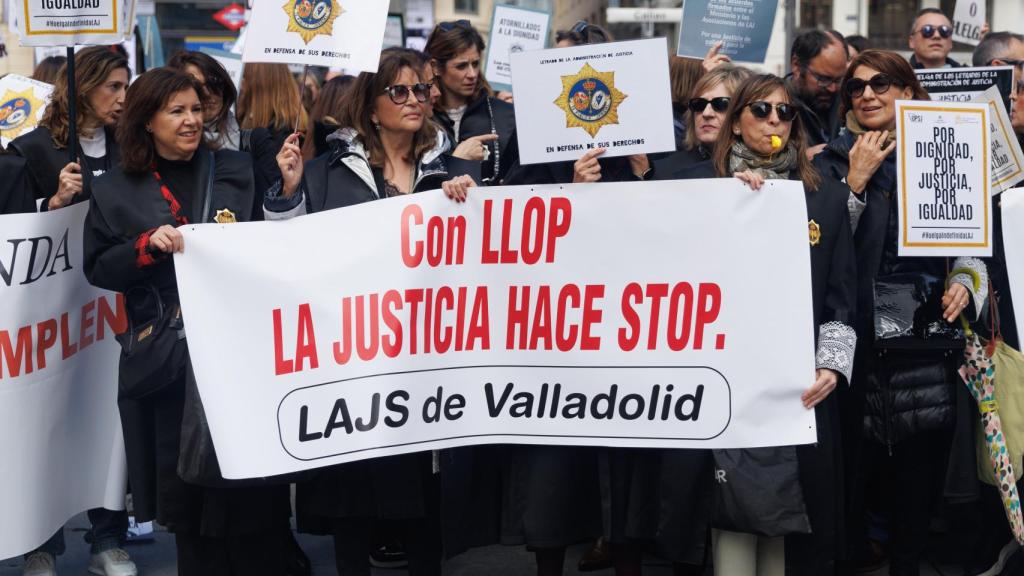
[614,96]
[394,32]
[512,318]
[60,432]
[1011,203]
[231,62]
[965,84]
[334,33]
[513,30]
[1006,156]
[968,19]
[63,23]
[744,28]
[943,179]
[22,102]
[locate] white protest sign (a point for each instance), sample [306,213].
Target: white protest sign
[968,19]
[943,179]
[965,84]
[334,33]
[1006,156]
[60,431]
[614,96]
[22,103]
[1012,204]
[71,22]
[512,318]
[513,30]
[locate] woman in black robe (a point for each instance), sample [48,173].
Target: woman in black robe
[167,178]
[762,138]
[387,148]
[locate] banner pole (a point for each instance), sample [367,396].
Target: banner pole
[302,90]
[72,128]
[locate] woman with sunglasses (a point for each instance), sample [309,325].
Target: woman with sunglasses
[903,398]
[704,115]
[468,107]
[762,138]
[386,148]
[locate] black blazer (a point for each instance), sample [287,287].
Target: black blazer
[478,121]
[15,192]
[126,208]
[45,161]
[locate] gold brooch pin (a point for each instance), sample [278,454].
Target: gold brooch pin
[814,231]
[225,216]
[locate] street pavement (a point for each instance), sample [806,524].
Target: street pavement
[156,558]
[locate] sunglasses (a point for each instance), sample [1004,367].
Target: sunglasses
[449,26]
[880,84]
[927,31]
[698,105]
[1007,62]
[399,93]
[763,110]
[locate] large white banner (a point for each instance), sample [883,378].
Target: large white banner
[60,433]
[1012,204]
[641,314]
[572,100]
[333,33]
[944,184]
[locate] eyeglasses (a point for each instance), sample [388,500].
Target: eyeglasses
[763,110]
[927,31]
[399,93]
[698,105]
[880,84]
[822,80]
[449,26]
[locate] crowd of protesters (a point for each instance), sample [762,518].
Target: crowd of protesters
[891,461]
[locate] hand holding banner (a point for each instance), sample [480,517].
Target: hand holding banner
[943,179]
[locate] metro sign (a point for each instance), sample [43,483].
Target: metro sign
[231,17]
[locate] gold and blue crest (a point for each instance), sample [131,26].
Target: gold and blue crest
[590,100]
[18,112]
[310,18]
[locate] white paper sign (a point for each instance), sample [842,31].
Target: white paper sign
[60,432]
[943,179]
[1012,204]
[513,30]
[968,19]
[614,96]
[1006,156]
[63,23]
[22,103]
[512,318]
[333,33]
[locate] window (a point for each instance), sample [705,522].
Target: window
[470,6]
[889,22]
[815,14]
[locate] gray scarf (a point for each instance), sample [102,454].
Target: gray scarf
[777,166]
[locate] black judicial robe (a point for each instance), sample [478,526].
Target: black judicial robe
[124,208]
[15,191]
[834,294]
[45,161]
[479,120]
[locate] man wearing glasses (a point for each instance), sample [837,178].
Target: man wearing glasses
[818,61]
[1006,49]
[931,39]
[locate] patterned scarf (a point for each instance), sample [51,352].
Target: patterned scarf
[777,166]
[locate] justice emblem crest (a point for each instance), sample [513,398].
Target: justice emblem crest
[17,112]
[225,216]
[310,18]
[590,100]
[814,231]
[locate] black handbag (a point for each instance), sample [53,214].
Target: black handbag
[758,491]
[908,314]
[153,348]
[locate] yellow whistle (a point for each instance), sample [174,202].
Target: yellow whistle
[776,142]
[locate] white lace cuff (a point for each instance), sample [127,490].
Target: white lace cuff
[856,208]
[966,271]
[836,345]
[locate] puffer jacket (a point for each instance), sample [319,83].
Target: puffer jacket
[909,383]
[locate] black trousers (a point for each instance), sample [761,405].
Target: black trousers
[260,554]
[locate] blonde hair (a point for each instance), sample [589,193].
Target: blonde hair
[270,99]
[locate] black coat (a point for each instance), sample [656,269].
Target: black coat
[833,281]
[667,167]
[45,161]
[123,210]
[817,129]
[906,392]
[15,193]
[479,119]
